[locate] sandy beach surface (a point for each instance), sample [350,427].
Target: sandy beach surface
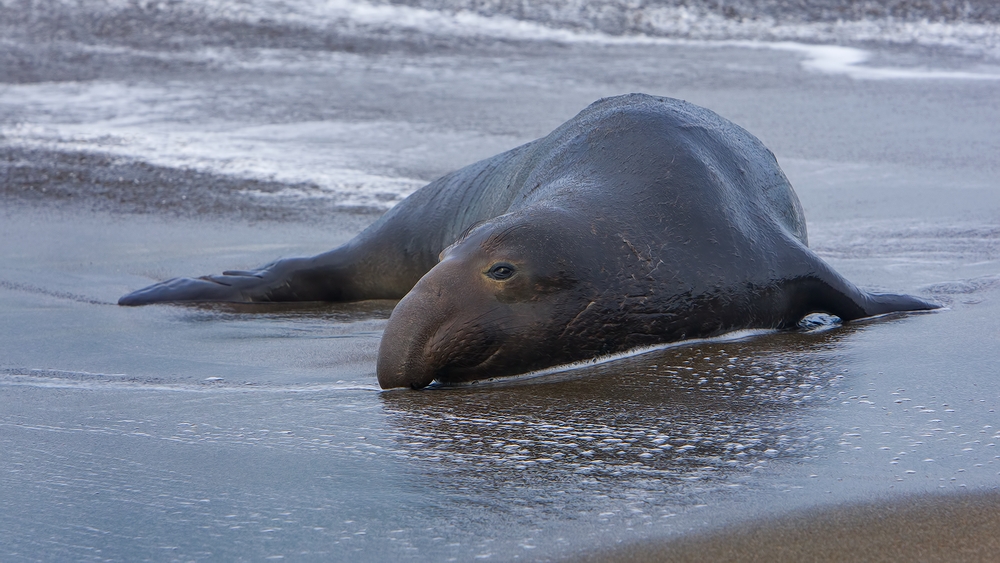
[927,528]
[141,141]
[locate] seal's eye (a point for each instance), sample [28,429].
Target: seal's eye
[501,271]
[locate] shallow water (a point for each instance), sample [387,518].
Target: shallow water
[201,432]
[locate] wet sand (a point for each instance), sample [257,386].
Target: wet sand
[220,431]
[931,528]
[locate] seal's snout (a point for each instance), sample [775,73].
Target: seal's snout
[403,357]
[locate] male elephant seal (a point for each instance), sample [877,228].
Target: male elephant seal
[640,221]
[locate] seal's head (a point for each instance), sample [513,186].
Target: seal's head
[497,303]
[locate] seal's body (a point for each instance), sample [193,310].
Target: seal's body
[640,221]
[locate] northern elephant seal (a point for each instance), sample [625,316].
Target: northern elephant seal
[640,221]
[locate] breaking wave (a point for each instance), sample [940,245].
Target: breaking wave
[317,160]
[970,26]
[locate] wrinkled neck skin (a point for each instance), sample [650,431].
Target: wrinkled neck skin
[460,324]
[581,287]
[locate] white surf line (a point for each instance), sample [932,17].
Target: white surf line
[836,59]
[236,152]
[825,58]
[63,379]
[828,59]
[734,336]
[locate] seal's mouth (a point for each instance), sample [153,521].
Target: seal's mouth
[414,352]
[402,357]
[468,369]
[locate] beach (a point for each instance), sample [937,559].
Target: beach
[140,142]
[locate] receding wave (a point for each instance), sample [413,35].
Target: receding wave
[55,378]
[971,26]
[320,160]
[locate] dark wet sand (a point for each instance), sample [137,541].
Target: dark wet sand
[923,528]
[101,183]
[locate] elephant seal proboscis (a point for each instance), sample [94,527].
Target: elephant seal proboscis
[640,221]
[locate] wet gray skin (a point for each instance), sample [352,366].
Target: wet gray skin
[640,221]
[506,299]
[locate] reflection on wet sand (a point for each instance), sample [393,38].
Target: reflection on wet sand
[349,312]
[702,413]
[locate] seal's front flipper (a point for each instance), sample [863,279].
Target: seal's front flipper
[230,287]
[346,273]
[278,281]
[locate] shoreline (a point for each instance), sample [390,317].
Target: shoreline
[921,527]
[101,182]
